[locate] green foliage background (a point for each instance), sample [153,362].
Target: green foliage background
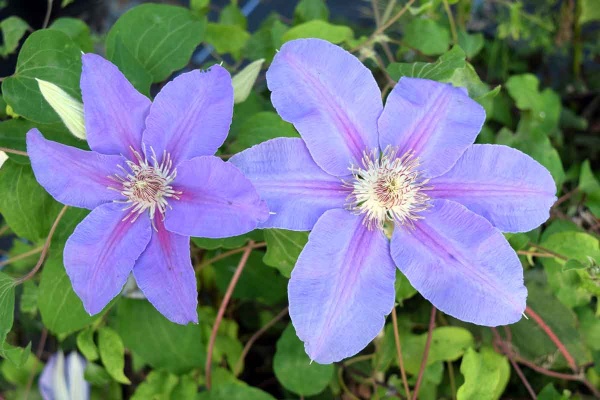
[531,64]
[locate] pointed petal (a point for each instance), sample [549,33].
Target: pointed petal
[45,382]
[191,115]
[101,253]
[341,288]
[296,190]
[436,121]
[78,387]
[165,275]
[114,111]
[217,200]
[510,189]
[72,176]
[331,98]
[59,379]
[462,264]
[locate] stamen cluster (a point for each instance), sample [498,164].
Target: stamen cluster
[147,184]
[388,187]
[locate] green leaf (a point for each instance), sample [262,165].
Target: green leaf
[24,204]
[232,15]
[19,375]
[13,28]
[283,249]
[486,375]
[156,340]
[234,392]
[258,282]
[294,369]
[7,306]
[131,67]
[404,290]
[96,375]
[16,355]
[244,80]
[112,354]
[448,343]
[550,393]
[199,7]
[77,30]
[158,385]
[86,345]
[427,36]
[470,43]
[321,30]
[307,10]
[50,55]
[227,38]
[29,298]
[228,243]
[259,128]
[589,11]
[441,70]
[160,37]
[589,185]
[61,310]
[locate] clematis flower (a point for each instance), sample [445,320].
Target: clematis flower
[62,379]
[361,170]
[151,181]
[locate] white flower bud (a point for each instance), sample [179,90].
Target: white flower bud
[68,109]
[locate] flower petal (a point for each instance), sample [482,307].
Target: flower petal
[507,187]
[462,264]
[296,190]
[217,200]
[331,98]
[114,111]
[46,381]
[341,288]
[436,121]
[101,253]
[72,176]
[191,115]
[79,388]
[165,275]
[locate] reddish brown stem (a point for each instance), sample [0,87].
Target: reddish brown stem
[213,335]
[257,335]
[425,353]
[227,254]
[561,347]
[399,353]
[506,350]
[40,262]
[13,151]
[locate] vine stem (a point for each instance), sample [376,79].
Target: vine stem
[514,364]
[213,335]
[21,256]
[425,353]
[561,347]
[383,27]
[399,353]
[45,248]
[13,151]
[48,13]
[451,21]
[227,254]
[257,335]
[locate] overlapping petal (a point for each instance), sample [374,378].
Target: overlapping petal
[165,275]
[101,253]
[296,190]
[72,176]
[330,97]
[463,265]
[507,187]
[191,115]
[341,288]
[434,120]
[114,111]
[216,200]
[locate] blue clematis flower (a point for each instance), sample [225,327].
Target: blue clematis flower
[62,379]
[361,170]
[151,182]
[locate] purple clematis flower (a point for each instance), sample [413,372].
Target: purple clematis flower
[62,378]
[361,170]
[151,181]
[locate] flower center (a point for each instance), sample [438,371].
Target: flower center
[388,187]
[147,185]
